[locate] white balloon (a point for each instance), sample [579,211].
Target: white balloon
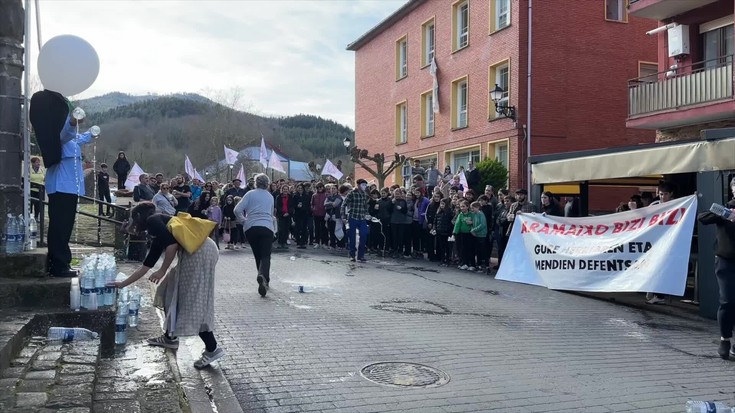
[68,64]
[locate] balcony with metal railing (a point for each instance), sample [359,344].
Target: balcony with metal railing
[701,92]
[664,9]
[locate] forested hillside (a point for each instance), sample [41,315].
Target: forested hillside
[157,133]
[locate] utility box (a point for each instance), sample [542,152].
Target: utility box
[678,38]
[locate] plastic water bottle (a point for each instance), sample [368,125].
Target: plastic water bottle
[99,286]
[121,322]
[9,234]
[92,304]
[69,334]
[75,295]
[20,234]
[695,406]
[33,231]
[133,308]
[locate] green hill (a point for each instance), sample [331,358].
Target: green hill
[158,131]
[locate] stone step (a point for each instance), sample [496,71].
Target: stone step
[51,376]
[29,264]
[34,292]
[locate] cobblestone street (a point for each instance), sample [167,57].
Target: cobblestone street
[505,347]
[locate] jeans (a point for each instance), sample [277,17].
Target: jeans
[362,226]
[104,195]
[302,235]
[725,273]
[261,242]
[284,226]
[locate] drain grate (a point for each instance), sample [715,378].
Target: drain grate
[401,374]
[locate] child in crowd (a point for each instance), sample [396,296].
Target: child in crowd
[464,238]
[443,230]
[214,213]
[479,231]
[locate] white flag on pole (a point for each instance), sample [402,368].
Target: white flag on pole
[198,176]
[134,176]
[230,156]
[435,91]
[189,168]
[331,170]
[463,181]
[275,163]
[241,176]
[263,152]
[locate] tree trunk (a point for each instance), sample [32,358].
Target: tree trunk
[12,21]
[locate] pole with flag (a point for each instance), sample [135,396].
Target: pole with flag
[275,163]
[189,168]
[134,176]
[263,152]
[241,176]
[331,170]
[230,156]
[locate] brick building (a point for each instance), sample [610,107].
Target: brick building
[692,88]
[583,55]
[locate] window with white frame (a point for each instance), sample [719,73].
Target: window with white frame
[462,159]
[402,58]
[427,41]
[427,114]
[502,14]
[401,123]
[501,154]
[616,10]
[502,80]
[461,25]
[461,104]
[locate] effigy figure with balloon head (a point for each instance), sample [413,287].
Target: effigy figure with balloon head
[67,66]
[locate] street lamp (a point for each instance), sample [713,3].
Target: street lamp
[507,111]
[347,142]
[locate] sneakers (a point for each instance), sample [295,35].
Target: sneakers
[262,289]
[163,341]
[656,300]
[352,259]
[725,350]
[316,246]
[463,267]
[362,260]
[471,268]
[208,357]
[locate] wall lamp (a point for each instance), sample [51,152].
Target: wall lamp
[347,142]
[508,111]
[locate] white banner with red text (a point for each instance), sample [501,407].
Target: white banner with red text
[645,250]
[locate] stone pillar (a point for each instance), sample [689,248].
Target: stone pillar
[12,20]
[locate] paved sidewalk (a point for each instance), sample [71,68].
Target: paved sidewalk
[504,346]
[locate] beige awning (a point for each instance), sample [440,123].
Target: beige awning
[700,156]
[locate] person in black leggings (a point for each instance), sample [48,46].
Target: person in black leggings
[255,212]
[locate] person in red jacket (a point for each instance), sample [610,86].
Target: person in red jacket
[319,211]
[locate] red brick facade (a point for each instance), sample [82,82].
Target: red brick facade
[581,65]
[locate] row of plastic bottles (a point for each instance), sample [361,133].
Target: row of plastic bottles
[98,270]
[127,315]
[695,406]
[14,234]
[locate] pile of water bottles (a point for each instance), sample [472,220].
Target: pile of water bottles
[14,235]
[94,289]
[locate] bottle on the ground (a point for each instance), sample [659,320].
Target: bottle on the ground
[75,294]
[121,321]
[70,334]
[10,236]
[696,406]
[133,307]
[33,233]
[20,234]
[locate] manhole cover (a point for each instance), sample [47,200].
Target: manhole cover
[404,374]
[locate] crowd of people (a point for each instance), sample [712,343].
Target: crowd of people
[434,217]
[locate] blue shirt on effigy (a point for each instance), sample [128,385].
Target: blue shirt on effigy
[67,176]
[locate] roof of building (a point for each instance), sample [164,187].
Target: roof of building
[386,23]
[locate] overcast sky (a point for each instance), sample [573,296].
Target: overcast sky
[281,57]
